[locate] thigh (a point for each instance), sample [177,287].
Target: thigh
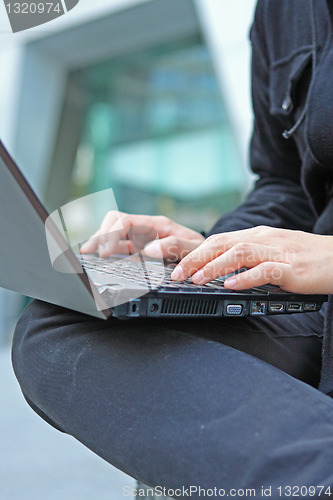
[292,343]
[169,403]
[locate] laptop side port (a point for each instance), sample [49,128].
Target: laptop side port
[309,306]
[234,309]
[294,307]
[134,308]
[258,308]
[275,307]
[154,307]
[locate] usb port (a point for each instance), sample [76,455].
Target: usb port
[294,306]
[276,307]
[310,307]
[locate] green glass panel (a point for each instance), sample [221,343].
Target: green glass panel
[158,133]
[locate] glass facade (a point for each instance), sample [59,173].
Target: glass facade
[157,132]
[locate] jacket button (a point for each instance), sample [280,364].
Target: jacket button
[286,104]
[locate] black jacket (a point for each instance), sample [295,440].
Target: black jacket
[292,142]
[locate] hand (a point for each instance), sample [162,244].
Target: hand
[127,234]
[298,262]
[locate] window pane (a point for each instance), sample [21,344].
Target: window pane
[157,132]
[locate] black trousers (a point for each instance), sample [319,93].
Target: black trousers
[176,403]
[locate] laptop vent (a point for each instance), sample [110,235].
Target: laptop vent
[189,307]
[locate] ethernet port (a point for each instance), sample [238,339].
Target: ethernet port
[258,308]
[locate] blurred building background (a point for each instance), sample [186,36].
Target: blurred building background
[148,97]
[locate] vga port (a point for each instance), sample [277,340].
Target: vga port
[234,309]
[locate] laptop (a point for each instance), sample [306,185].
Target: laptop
[37,261]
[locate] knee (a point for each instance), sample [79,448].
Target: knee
[27,351]
[22,352]
[36,358]
[25,362]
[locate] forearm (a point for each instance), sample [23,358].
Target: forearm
[274,203]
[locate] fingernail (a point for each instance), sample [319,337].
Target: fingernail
[101,250]
[230,283]
[177,273]
[107,248]
[198,277]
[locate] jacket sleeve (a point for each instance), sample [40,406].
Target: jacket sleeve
[277,198]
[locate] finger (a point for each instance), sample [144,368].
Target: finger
[162,225]
[91,245]
[117,225]
[217,244]
[110,233]
[98,241]
[128,241]
[171,247]
[113,228]
[105,244]
[240,255]
[126,247]
[125,225]
[140,236]
[211,248]
[136,238]
[275,273]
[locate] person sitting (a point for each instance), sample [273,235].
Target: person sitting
[219,403]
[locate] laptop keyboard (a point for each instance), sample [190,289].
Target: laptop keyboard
[146,272]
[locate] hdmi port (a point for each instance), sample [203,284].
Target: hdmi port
[276,307]
[294,306]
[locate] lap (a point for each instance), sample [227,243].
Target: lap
[292,343]
[172,402]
